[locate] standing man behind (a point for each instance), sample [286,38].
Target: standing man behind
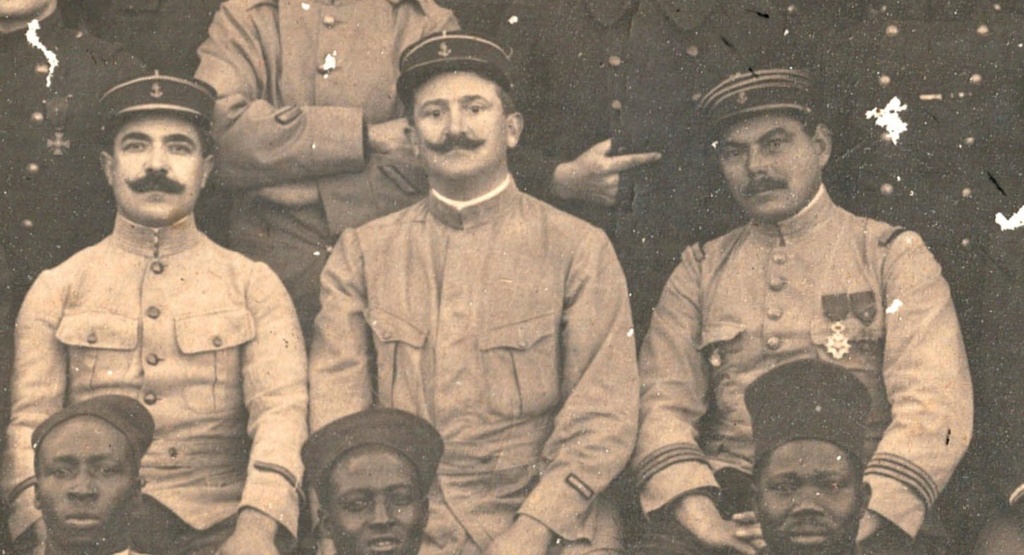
[87,459]
[309,126]
[205,337]
[499,319]
[804,279]
[809,419]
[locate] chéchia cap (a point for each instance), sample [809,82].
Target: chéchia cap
[125,414]
[409,435]
[451,51]
[159,93]
[756,92]
[808,399]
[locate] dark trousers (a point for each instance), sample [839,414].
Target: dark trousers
[663,535]
[155,529]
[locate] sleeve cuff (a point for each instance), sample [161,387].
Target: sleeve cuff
[561,501]
[673,480]
[271,492]
[896,502]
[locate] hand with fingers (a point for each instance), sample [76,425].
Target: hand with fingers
[594,175]
[697,514]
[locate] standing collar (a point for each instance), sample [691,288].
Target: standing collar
[156,242]
[808,218]
[474,215]
[464,204]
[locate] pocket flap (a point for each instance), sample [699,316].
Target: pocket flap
[521,335]
[211,332]
[389,327]
[99,330]
[720,332]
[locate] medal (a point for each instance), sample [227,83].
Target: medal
[836,308]
[57,115]
[838,345]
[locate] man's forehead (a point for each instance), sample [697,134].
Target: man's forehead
[751,129]
[83,436]
[159,125]
[456,85]
[372,464]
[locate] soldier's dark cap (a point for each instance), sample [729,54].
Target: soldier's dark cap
[410,436]
[125,414]
[159,93]
[452,51]
[808,399]
[753,93]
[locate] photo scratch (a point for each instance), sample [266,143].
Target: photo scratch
[894,307]
[1013,222]
[51,57]
[888,118]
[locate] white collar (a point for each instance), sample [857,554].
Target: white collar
[463,204]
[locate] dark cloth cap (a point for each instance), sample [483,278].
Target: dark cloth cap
[159,93]
[125,414]
[451,51]
[808,399]
[756,92]
[411,436]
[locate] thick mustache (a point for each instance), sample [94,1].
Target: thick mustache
[763,184]
[156,182]
[452,142]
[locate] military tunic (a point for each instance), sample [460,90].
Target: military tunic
[297,84]
[507,326]
[764,295]
[204,337]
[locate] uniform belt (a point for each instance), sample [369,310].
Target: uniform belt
[206,452]
[472,458]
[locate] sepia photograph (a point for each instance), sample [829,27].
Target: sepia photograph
[511,277]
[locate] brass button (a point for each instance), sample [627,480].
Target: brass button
[217,341]
[983,29]
[616,105]
[773,343]
[614,61]
[157,267]
[892,31]
[152,359]
[886,189]
[42,69]
[692,51]
[774,313]
[27,223]
[779,258]
[777,284]
[92,338]
[173,452]
[976,79]
[696,97]
[37,117]
[967,192]
[997,7]
[965,242]
[153,312]
[968,141]
[791,8]
[884,80]
[32,168]
[150,398]
[329,21]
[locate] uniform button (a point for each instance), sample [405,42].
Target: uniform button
[153,312]
[330,248]
[42,68]
[892,31]
[217,341]
[692,51]
[779,258]
[92,338]
[777,284]
[157,267]
[173,452]
[37,117]
[965,242]
[886,189]
[773,343]
[386,334]
[27,224]
[997,7]
[774,313]
[884,80]
[696,97]
[976,79]
[522,344]
[32,168]
[983,29]
[966,192]
[616,105]
[791,8]
[968,141]
[614,61]
[329,21]
[152,359]
[150,398]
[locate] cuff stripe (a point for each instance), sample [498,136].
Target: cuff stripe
[906,472]
[668,456]
[279,470]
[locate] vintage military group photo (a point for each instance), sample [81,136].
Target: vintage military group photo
[511,277]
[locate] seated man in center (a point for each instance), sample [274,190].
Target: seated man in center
[804,279]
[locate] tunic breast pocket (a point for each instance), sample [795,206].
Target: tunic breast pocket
[720,343]
[212,344]
[521,366]
[399,347]
[100,347]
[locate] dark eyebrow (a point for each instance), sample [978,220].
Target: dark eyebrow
[136,136]
[775,132]
[179,138]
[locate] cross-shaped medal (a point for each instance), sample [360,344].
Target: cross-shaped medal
[58,144]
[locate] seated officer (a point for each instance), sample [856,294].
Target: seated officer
[804,279]
[372,471]
[809,419]
[205,337]
[87,460]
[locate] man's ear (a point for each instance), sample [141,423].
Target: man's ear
[207,170]
[107,161]
[823,144]
[514,124]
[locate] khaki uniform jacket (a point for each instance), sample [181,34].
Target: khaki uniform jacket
[206,338]
[765,295]
[507,326]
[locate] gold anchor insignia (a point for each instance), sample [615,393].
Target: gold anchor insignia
[156,91]
[58,144]
[444,51]
[741,98]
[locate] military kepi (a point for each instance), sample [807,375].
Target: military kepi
[756,92]
[125,414]
[808,399]
[159,93]
[411,436]
[447,51]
